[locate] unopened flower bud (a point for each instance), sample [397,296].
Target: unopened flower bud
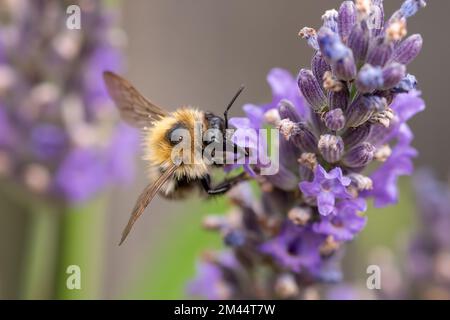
[339,99]
[330,20]
[383,117]
[331,45]
[362,109]
[319,66]
[410,7]
[360,182]
[359,156]
[288,111]
[335,119]
[311,90]
[286,128]
[358,42]
[346,19]
[355,136]
[303,138]
[331,147]
[345,68]
[408,50]
[311,37]
[376,18]
[392,75]
[380,53]
[369,79]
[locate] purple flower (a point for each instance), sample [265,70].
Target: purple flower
[342,292]
[400,163]
[405,106]
[284,86]
[48,141]
[433,202]
[326,188]
[209,282]
[346,223]
[295,248]
[385,190]
[121,154]
[57,111]
[81,175]
[105,57]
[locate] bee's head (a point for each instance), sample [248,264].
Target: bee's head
[215,126]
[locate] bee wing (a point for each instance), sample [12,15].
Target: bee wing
[134,108]
[145,198]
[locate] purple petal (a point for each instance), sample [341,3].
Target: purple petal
[325,203]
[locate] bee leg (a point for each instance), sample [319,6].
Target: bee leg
[222,187]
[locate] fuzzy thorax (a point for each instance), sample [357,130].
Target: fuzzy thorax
[158,147]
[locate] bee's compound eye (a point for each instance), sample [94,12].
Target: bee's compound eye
[177,134]
[176,137]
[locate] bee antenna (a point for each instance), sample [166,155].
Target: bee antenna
[225,114]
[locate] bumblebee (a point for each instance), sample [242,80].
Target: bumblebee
[161,135]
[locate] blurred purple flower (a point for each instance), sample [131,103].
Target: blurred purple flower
[7,132]
[48,141]
[209,282]
[81,175]
[295,248]
[53,103]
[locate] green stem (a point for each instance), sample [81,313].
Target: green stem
[41,245]
[81,246]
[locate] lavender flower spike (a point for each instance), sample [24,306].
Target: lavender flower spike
[56,106]
[360,97]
